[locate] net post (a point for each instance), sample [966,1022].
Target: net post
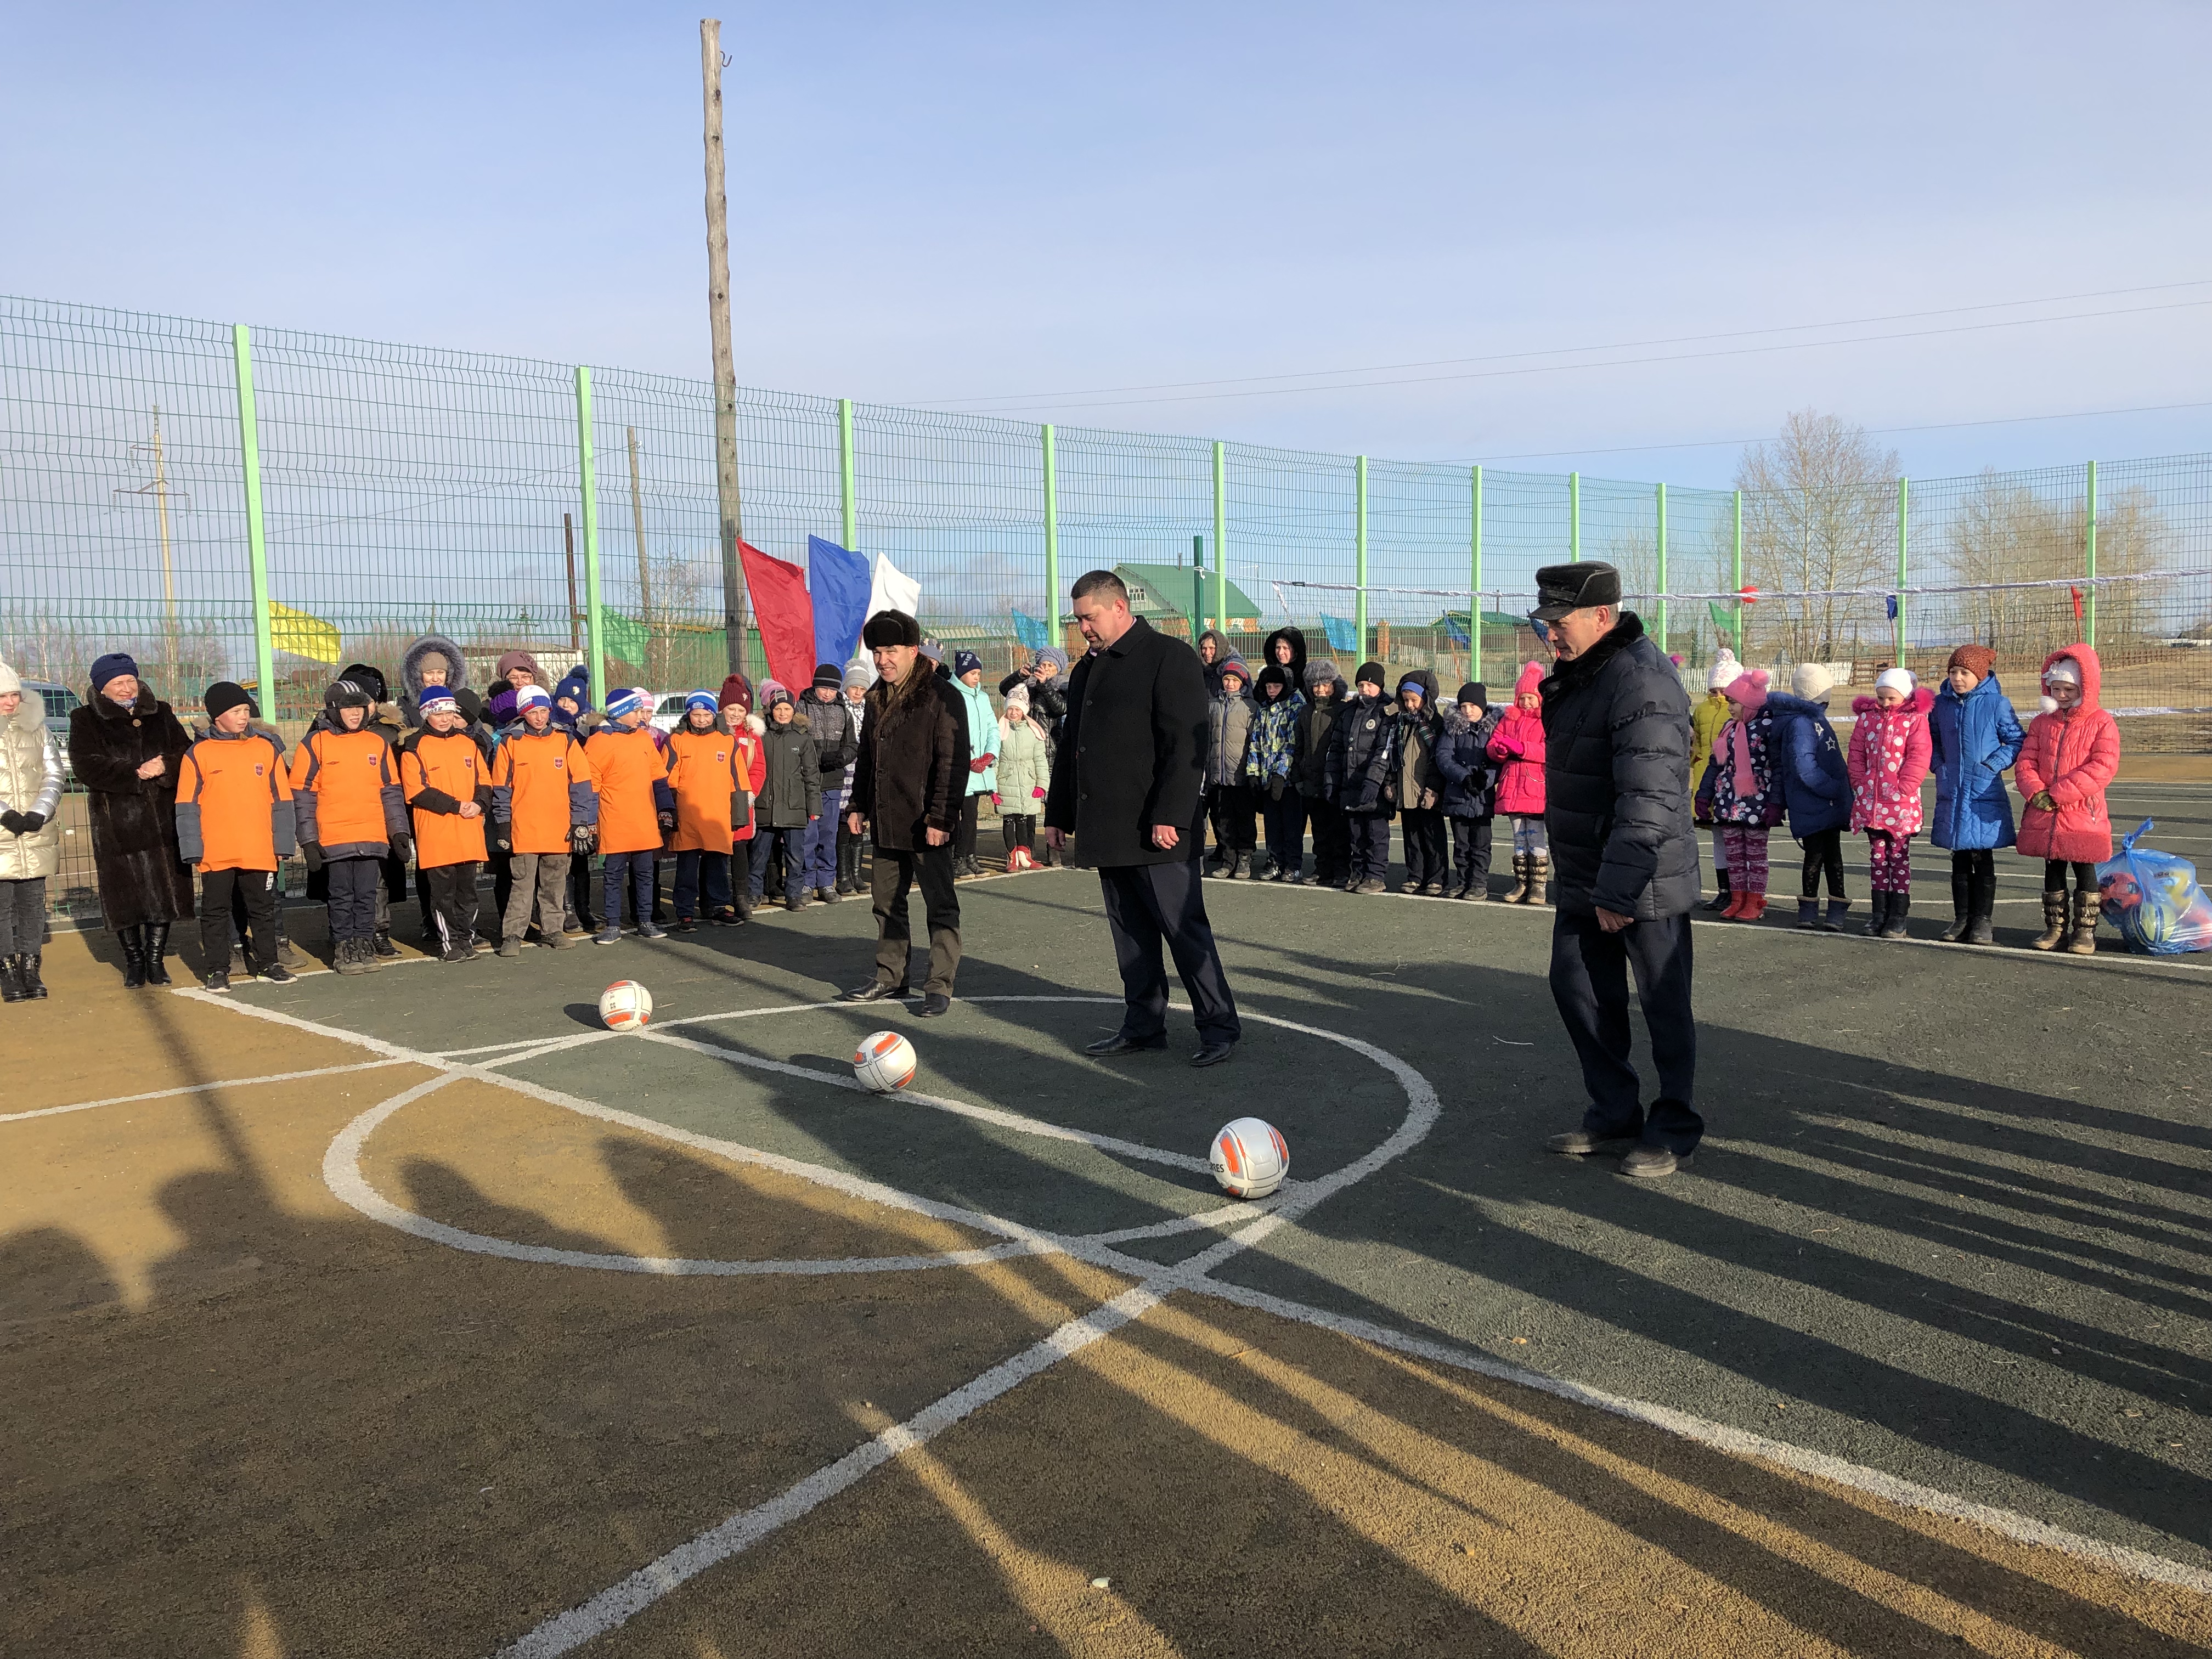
[1735,573]
[1661,508]
[2089,560]
[257,539]
[1474,584]
[1359,551]
[587,484]
[1574,518]
[1221,537]
[848,502]
[1903,557]
[1053,607]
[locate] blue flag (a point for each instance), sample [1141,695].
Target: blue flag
[837,580]
[1342,635]
[1893,607]
[1028,630]
[1454,628]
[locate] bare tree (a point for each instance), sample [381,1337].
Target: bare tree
[1819,513]
[2003,530]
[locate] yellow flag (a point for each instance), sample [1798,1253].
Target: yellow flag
[303,635]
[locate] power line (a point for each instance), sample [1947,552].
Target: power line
[1561,351]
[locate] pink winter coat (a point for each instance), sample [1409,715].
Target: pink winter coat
[2072,753]
[1888,762]
[1519,742]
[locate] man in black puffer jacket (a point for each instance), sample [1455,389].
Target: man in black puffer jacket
[1624,866]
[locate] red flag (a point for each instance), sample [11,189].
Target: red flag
[785,612]
[2076,592]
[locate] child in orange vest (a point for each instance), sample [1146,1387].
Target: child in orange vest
[235,820]
[544,811]
[714,791]
[445,779]
[345,792]
[636,805]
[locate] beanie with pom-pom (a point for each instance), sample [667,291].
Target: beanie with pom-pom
[1725,670]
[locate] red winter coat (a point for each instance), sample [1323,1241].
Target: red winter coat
[2073,753]
[1519,742]
[1889,761]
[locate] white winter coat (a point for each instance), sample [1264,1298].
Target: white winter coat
[30,781]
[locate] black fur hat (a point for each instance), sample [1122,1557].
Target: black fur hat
[891,628]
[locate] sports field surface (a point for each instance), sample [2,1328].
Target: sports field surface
[417,1315]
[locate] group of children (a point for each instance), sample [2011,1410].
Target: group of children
[1294,748]
[1761,756]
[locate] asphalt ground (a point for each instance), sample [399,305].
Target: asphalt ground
[1944,1247]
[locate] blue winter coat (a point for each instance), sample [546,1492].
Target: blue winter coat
[1974,740]
[1464,756]
[1816,784]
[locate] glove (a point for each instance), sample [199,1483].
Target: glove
[311,851]
[1038,792]
[34,822]
[502,843]
[2040,800]
[403,848]
[997,799]
[12,822]
[583,837]
[978,763]
[668,820]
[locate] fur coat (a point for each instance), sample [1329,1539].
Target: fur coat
[143,875]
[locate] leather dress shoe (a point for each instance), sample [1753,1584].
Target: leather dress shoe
[1580,1143]
[1213,1053]
[933,1005]
[875,990]
[1122,1043]
[1649,1163]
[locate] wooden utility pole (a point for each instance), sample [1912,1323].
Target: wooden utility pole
[726,374]
[159,490]
[569,542]
[644,570]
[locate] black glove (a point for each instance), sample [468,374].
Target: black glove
[12,822]
[583,837]
[403,848]
[668,820]
[311,851]
[32,822]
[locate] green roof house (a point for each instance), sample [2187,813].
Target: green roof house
[1161,592]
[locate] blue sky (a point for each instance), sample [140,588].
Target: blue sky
[977,202]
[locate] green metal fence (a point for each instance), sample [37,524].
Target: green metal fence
[268,505]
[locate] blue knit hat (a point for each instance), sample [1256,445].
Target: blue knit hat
[576,685]
[701,700]
[531,696]
[106,668]
[966,662]
[436,699]
[624,700]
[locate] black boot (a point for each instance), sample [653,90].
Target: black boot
[381,944]
[1893,927]
[1718,901]
[157,947]
[1962,905]
[1981,906]
[133,941]
[1877,913]
[11,980]
[35,988]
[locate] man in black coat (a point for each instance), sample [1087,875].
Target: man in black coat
[1127,783]
[1625,866]
[908,784]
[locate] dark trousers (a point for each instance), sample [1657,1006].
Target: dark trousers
[1425,846]
[452,907]
[766,844]
[502,880]
[2054,877]
[848,851]
[633,871]
[1147,905]
[821,861]
[355,885]
[699,869]
[1590,983]
[891,878]
[1018,829]
[218,889]
[1286,827]
[1471,850]
[1332,848]
[963,833]
[580,892]
[23,915]
[1231,808]
[1367,837]
[1824,853]
[1974,881]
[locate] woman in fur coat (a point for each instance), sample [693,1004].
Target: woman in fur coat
[125,746]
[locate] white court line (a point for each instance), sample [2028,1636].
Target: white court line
[199,1088]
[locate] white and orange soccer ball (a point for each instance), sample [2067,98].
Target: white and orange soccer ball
[625,1006]
[1249,1158]
[885,1062]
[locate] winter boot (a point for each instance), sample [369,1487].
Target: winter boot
[35,988]
[1475,889]
[133,941]
[1238,866]
[1981,907]
[240,963]
[1877,913]
[157,947]
[1833,921]
[1539,878]
[11,980]
[1722,893]
[1755,908]
[381,945]
[1962,907]
[2080,939]
[1808,915]
[288,955]
[1520,893]
[1893,927]
[1736,904]
[349,956]
[2054,921]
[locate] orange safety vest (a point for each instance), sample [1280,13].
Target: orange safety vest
[708,772]
[541,785]
[447,763]
[625,765]
[342,783]
[227,789]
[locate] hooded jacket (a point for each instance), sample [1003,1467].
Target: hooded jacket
[790,790]
[1024,766]
[1048,692]
[1518,742]
[982,734]
[234,807]
[1362,774]
[1617,780]
[1222,653]
[1228,737]
[1316,725]
[143,875]
[1816,783]
[1973,740]
[1463,757]
[1420,785]
[31,779]
[1296,639]
[912,770]
[410,674]
[1272,756]
[2072,754]
[1706,720]
[1888,762]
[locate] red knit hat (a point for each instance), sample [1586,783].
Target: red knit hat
[736,689]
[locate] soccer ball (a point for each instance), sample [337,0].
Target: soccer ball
[885,1062]
[625,1006]
[1249,1158]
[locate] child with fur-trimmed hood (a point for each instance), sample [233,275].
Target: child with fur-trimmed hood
[1272,766]
[2071,755]
[1420,784]
[1470,799]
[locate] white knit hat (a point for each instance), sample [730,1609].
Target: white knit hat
[1899,680]
[1812,681]
[1725,672]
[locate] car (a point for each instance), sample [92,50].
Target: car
[60,700]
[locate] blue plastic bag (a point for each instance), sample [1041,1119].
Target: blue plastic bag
[2153,899]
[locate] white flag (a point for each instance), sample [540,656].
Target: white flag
[888,590]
